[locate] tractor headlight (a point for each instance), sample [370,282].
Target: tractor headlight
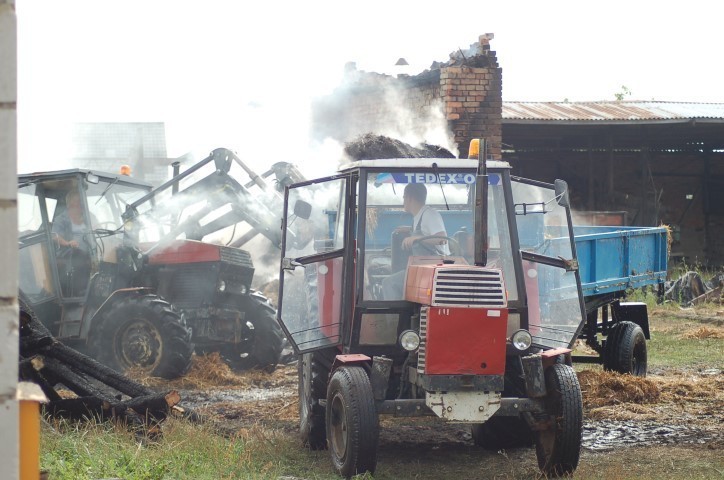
[409,340]
[521,340]
[221,286]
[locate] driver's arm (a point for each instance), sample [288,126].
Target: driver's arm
[60,230]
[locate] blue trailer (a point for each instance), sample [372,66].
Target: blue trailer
[613,260]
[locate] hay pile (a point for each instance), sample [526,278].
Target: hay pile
[371,146]
[704,332]
[612,396]
[601,388]
[206,371]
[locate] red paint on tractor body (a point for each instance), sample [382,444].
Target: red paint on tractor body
[465,341]
[185,251]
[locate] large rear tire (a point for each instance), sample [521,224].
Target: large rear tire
[352,423]
[558,447]
[144,333]
[268,342]
[625,349]
[501,433]
[312,388]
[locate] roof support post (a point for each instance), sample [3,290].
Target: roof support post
[706,207]
[643,217]
[591,177]
[611,162]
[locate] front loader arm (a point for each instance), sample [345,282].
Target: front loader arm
[219,189]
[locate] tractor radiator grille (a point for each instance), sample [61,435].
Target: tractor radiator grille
[236,256]
[423,340]
[471,287]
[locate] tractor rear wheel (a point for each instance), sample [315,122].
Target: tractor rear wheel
[268,337]
[312,388]
[352,423]
[625,349]
[500,433]
[558,447]
[145,333]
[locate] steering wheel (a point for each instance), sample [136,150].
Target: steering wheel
[454,246]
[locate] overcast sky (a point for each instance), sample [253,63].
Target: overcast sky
[238,73]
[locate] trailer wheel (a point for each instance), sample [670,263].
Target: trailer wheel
[558,447]
[143,332]
[625,349]
[312,388]
[352,423]
[268,342]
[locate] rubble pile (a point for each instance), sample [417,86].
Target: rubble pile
[691,289]
[371,146]
[98,392]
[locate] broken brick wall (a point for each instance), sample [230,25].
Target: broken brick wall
[461,98]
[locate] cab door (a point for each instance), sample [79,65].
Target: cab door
[315,280]
[554,297]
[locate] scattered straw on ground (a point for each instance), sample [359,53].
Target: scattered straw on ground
[612,396]
[704,332]
[209,371]
[602,388]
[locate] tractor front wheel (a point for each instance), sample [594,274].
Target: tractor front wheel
[558,447]
[144,333]
[352,423]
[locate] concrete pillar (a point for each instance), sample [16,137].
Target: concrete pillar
[9,422]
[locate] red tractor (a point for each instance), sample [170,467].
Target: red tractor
[120,270]
[482,333]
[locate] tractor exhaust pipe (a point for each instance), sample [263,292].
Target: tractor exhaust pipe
[176,170]
[481,201]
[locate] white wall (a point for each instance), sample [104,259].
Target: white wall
[9,450]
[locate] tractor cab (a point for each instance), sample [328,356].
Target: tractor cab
[68,225]
[485,306]
[333,291]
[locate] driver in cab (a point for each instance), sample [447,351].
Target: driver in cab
[426,223]
[74,237]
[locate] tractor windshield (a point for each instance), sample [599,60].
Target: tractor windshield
[391,216]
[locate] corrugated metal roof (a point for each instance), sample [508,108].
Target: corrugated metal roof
[616,112]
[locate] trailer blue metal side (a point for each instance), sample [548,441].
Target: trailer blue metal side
[614,259]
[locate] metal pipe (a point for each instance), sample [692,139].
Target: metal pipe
[481,206]
[176,170]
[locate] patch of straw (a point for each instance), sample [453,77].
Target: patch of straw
[704,332]
[601,388]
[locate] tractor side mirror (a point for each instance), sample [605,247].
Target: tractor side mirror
[302,209]
[561,188]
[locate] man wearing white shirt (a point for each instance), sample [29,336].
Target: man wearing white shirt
[427,222]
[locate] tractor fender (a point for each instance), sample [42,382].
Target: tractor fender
[635,312]
[119,294]
[351,359]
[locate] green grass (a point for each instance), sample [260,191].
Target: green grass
[669,348]
[91,451]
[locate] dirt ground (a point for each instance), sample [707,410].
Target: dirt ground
[666,414]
